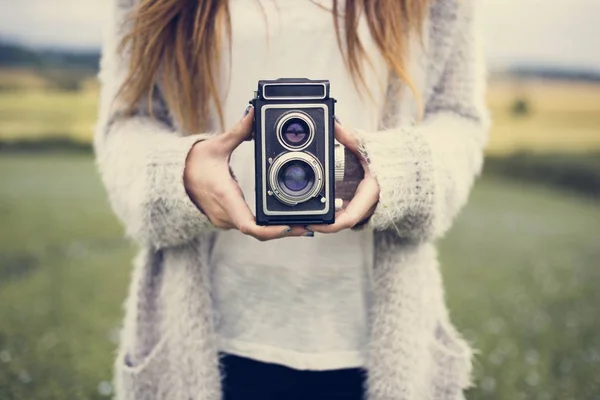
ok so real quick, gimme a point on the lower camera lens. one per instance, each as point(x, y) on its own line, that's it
point(296, 178)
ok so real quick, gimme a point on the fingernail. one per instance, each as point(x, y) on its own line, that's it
point(308, 228)
point(309, 234)
point(247, 110)
point(287, 230)
point(337, 119)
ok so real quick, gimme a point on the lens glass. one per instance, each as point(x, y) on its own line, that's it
point(296, 178)
point(295, 132)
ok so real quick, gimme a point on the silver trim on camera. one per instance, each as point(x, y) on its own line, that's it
point(264, 92)
point(340, 160)
point(279, 191)
point(297, 115)
point(264, 158)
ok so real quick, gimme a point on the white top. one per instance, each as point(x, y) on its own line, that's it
point(300, 302)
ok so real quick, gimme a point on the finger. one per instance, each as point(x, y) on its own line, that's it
point(363, 223)
point(250, 138)
point(232, 200)
point(242, 217)
point(352, 143)
point(358, 209)
point(367, 196)
point(215, 213)
point(241, 132)
point(346, 138)
point(264, 233)
point(220, 218)
point(343, 221)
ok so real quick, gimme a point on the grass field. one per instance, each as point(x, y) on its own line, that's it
point(35, 114)
point(562, 117)
point(63, 275)
point(521, 264)
point(521, 267)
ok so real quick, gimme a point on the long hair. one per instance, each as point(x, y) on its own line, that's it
point(177, 44)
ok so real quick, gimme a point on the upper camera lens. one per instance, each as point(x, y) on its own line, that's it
point(295, 130)
point(296, 178)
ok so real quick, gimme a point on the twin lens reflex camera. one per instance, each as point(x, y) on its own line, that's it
point(297, 160)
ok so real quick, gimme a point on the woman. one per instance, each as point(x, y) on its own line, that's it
point(356, 311)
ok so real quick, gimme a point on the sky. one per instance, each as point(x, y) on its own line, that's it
point(562, 33)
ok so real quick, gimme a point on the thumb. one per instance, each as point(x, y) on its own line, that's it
point(241, 132)
point(346, 138)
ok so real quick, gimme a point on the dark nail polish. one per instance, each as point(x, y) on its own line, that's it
point(307, 228)
point(286, 230)
point(247, 110)
point(309, 234)
point(337, 119)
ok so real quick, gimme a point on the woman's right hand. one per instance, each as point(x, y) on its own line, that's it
point(213, 189)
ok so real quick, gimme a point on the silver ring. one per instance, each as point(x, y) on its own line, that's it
point(282, 160)
point(291, 115)
point(339, 161)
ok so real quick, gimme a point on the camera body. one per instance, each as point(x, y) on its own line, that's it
point(294, 152)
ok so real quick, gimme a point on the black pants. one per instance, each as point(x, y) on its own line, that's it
point(248, 379)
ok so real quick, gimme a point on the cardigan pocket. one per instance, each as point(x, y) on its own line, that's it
point(451, 363)
point(149, 379)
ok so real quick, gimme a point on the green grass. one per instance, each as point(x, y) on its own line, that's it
point(521, 268)
point(63, 275)
point(576, 172)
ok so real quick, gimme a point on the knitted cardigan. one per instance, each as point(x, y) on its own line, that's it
point(425, 172)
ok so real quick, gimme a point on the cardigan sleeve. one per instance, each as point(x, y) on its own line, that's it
point(141, 158)
point(425, 172)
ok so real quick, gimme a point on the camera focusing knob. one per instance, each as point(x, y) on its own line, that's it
point(340, 161)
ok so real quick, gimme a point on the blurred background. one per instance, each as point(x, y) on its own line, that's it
point(522, 263)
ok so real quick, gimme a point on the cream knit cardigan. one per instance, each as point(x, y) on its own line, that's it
point(425, 172)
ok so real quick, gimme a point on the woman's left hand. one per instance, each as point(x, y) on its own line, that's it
point(363, 204)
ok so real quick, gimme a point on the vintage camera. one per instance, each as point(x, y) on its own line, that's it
point(297, 159)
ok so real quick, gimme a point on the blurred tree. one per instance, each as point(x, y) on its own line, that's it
point(520, 107)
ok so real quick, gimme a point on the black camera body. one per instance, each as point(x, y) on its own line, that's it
point(294, 152)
